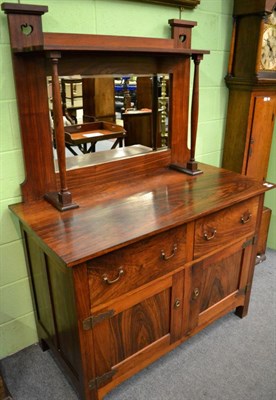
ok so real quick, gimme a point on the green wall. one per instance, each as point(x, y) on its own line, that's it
point(118, 17)
point(270, 197)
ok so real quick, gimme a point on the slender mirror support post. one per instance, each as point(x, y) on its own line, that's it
point(192, 166)
point(62, 200)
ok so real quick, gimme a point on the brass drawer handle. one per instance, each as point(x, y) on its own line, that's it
point(213, 234)
point(245, 217)
point(110, 282)
point(195, 293)
point(166, 258)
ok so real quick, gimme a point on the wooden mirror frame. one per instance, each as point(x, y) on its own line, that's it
point(37, 54)
point(175, 3)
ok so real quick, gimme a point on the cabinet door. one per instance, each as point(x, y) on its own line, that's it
point(216, 285)
point(136, 329)
point(261, 136)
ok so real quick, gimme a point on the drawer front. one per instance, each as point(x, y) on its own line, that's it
point(225, 226)
point(128, 268)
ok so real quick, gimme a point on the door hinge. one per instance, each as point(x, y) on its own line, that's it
point(93, 320)
point(101, 380)
point(249, 242)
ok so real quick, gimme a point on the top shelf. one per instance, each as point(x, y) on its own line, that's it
point(118, 44)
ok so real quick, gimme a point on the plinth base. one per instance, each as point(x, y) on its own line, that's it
point(55, 198)
point(184, 169)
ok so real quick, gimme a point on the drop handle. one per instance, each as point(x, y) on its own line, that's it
point(245, 217)
point(110, 281)
point(210, 235)
point(166, 258)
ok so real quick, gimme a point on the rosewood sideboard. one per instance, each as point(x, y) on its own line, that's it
point(128, 256)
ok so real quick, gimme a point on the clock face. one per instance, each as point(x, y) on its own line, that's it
point(272, 18)
point(268, 55)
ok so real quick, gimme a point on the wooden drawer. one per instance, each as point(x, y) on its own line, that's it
point(225, 226)
point(128, 268)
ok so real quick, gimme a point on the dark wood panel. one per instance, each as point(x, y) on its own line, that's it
point(54, 300)
point(41, 294)
point(248, 32)
point(121, 171)
point(212, 280)
point(63, 300)
point(220, 279)
point(235, 142)
point(99, 98)
point(81, 291)
point(30, 82)
point(139, 128)
point(245, 7)
point(141, 325)
point(262, 239)
point(262, 125)
point(131, 331)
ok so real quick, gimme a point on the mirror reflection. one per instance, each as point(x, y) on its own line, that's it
point(101, 114)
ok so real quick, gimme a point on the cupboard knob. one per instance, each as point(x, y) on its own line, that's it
point(109, 281)
point(195, 293)
point(166, 258)
point(177, 303)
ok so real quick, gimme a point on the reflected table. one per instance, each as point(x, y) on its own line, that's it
point(85, 136)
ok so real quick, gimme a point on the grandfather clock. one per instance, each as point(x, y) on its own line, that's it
point(251, 80)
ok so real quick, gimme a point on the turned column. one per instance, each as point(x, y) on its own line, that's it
point(192, 164)
point(191, 167)
point(62, 199)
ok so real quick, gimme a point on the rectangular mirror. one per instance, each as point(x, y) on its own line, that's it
point(108, 117)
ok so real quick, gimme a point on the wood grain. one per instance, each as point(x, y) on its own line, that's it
point(112, 215)
point(134, 214)
point(227, 225)
point(141, 262)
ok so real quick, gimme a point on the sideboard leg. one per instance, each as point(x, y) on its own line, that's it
point(241, 311)
point(43, 345)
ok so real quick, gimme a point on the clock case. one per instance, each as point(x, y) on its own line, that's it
point(250, 18)
point(252, 100)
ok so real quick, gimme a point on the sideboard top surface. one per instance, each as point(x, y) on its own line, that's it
point(111, 216)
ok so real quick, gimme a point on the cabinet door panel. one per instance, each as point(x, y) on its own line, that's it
point(141, 325)
point(216, 284)
point(261, 136)
point(131, 330)
point(121, 340)
point(219, 280)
